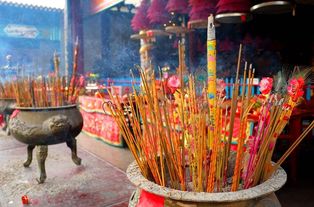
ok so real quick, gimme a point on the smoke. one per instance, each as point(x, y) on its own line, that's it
point(108, 49)
point(31, 35)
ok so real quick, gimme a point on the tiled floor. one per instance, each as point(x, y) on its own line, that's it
point(119, 157)
point(100, 180)
point(94, 183)
point(300, 193)
point(291, 195)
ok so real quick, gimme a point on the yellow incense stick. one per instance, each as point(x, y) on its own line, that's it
point(211, 72)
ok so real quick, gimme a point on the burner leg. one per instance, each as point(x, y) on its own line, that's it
point(72, 145)
point(42, 152)
point(7, 119)
point(30, 149)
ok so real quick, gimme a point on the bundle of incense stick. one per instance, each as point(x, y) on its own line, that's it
point(51, 91)
point(169, 137)
point(45, 91)
point(6, 90)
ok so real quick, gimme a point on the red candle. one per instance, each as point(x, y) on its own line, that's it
point(25, 200)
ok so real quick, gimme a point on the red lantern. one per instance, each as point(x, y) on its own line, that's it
point(178, 6)
point(231, 6)
point(201, 9)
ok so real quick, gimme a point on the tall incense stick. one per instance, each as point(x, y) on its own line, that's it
point(156, 124)
point(75, 61)
point(211, 72)
point(56, 62)
point(211, 93)
point(233, 109)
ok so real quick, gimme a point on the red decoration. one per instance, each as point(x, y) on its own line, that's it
point(99, 123)
point(221, 87)
point(1, 120)
point(243, 18)
point(266, 85)
point(295, 88)
point(15, 113)
point(25, 200)
point(140, 20)
point(178, 6)
point(173, 83)
point(98, 95)
point(150, 200)
point(150, 33)
point(157, 12)
point(201, 9)
point(227, 6)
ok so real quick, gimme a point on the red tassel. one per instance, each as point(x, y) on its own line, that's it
point(201, 9)
point(178, 6)
point(226, 6)
point(157, 12)
point(140, 20)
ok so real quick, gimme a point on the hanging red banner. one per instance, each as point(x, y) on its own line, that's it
point(100, 5)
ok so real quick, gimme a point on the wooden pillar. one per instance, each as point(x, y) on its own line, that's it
point(67, 35)
point(73, 30)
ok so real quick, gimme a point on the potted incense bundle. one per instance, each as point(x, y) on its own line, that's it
point(183, 143)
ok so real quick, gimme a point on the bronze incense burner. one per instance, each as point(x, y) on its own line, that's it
point(40, 127)
point(6, 108)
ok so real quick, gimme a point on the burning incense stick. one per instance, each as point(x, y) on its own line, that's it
point(232, 112)
point(211, 67)
point(7, 90)
point(74, 72)
point(44, 92)
point(168, 134)
point(56, 61)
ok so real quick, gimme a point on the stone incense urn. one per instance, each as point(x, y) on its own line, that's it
point(40, 127)
point(149, 194)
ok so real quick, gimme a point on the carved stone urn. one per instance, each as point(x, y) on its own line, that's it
point(40, 127)
point(149, 194)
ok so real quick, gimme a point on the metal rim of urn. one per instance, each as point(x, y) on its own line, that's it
point(274, 183)
point(45, 108)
